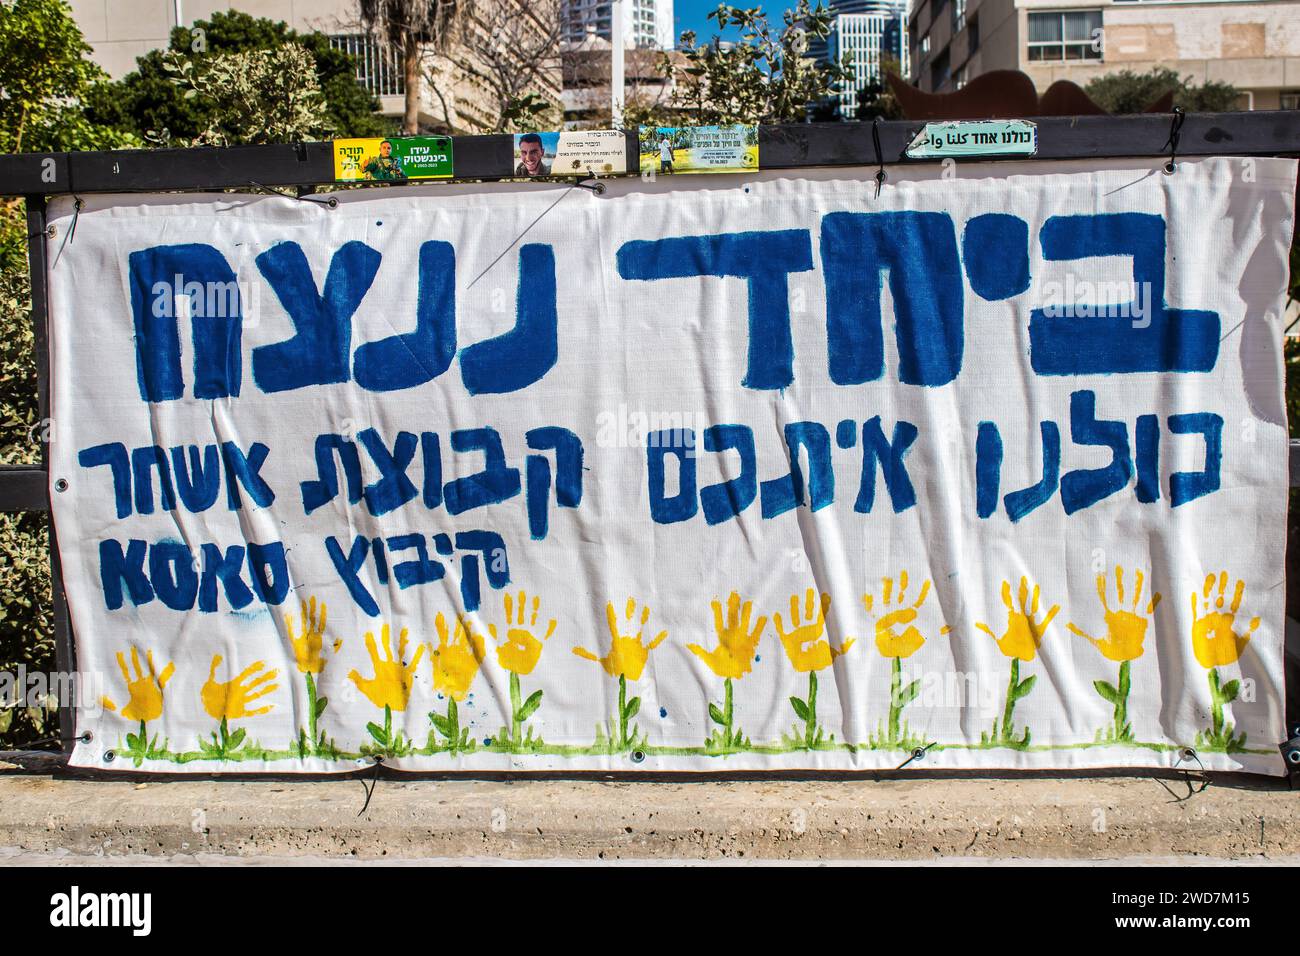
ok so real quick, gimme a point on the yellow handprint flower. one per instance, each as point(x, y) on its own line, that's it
point(145, 704)
point(390, 689)
point(1020, 642)
point(521, 649)
point(1214, 638)
point(456, 661)
point(626, 660)
point(1217, 643)
point(1125, 632)
point(518, 654)
point(308, 649)
point(229, 700)
point(309, 657)
point(737, 643)
point(809, 652)
point(627, 652)
point(732, 659)
point(1023, 635)
point(391, 686)
point(804, 643)
point(145, 690)
point(897, 637)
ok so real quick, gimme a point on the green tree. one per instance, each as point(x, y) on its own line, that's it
point(256, 96)
point(410, 31)
point(46, 82)
point(150, 101)
point(764, 77)
point(1129, 92)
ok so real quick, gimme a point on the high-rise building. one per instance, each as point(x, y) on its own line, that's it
point(1252, 44)
point(646, 23)
point(864, 33)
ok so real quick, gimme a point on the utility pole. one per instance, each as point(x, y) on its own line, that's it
point(616, 62)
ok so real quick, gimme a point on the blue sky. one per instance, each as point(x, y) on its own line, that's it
point(692, 15)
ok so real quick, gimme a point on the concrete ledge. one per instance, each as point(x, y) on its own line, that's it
point(912, 819)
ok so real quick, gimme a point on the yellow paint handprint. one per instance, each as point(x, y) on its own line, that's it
point(521, 649)
point(1125, 629)
point(229, 700)
point(896, 613)
point(1024, 634)
point(309, 646)
point(1125, 632)
point(1214, 636)
point(391, 685)
point(145, 690)
point(627, 652)
point(1217, 642)
point(737, 643)
point(897, 637)
point(804, 643)
point(456, 661)
point(1020, 642)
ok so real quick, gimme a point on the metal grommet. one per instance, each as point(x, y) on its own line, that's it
point(61, 484)
point(1170, 168)
point(87, 737)
point(1295, 730)
point(1187, 753)
point(1293, 756)
point(333, 203)
point(638, 756)
point(51, 231)
point(918, 753)
point(109, 756)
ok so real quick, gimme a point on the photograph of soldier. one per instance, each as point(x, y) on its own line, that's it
point(531, 156)
point(385, 166)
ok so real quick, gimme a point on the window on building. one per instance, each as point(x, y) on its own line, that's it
point(925, 45)
point(1290, 101)
point(381, 75)
point(958, 15)
point(972, 35)
point(1068, 35)
point(939, 71)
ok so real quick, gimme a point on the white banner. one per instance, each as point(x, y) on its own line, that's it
point(744, 473)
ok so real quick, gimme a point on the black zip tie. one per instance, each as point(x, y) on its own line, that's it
point(880, 161)
point(1175, 131)
point(331, 202)
point(595, 185)
point(917, 754)
point(72, 230)
point(374, 782)
point(1187, 753)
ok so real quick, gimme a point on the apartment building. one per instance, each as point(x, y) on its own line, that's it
point(1252, 44)
point(460, 98)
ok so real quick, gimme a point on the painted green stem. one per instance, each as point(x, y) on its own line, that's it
point(515, 703)
point(726, 713)
point(623, 742)
point(1121, 702)
point(1008, 711)
point(311, 710)
point(810, 726)
point(895, 705)
point(1217, 700)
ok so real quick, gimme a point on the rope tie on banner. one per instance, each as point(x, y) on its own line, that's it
point(917, 754)
point(72, 230)
point(1188, 754)
point(1175, 131)
point(595, 185)
point(374, 782)
point(880, 157)
point(330, 202)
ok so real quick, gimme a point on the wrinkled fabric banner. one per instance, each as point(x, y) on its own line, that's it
point(767, 472)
